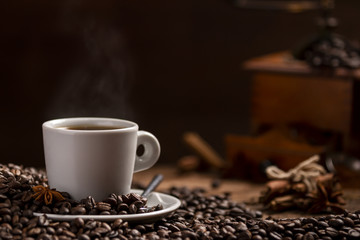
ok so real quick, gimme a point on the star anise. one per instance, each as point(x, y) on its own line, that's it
point(46, 194)
point(327, 196)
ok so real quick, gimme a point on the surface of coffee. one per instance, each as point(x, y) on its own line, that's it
point(90, 127)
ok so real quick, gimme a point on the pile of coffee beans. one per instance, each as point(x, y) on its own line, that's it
point(113, 205)
point(200, 217)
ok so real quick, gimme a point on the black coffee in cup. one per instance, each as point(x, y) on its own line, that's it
point(90, 127)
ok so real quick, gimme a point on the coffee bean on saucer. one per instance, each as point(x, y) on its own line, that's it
point(132, 208)
point(64, 210)
point(89, 203)
point(122, 207)
point(103, 206)
point(78, 210)
point(112, 199)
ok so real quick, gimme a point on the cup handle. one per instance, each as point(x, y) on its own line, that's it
point(151, 151)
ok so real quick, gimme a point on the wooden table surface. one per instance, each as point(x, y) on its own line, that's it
point(241, 191)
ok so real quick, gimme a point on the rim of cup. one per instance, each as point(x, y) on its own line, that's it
point(120, 125)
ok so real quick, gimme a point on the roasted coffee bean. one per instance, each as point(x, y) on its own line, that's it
point(64, 210)
point(244, 235)
point(275, 236)
point(91, 224)
point(123, 207)
point(311, 220)
point(134, 233)
point(42, 221)
point(140, 228)
point(5, 235)
point(50, 230)
point(299, 230)
point(112, 199)
point(78, 222)
point(354, 234)
point(188, 234)
point(139, 203)
point(331, 232)
point(103, 206)
point(323, 224)
point(89, 203)
point(117, 223)
point(78, 210)
point(132, 208)
point(34, 231)
point(5, 205)
point(310, 236)
point(336, 223)
point(152, 236)
point(101, 230)
point(163, 233)
point(84, 237)
point(257, 237)
point(348, 222)
point(104, 213)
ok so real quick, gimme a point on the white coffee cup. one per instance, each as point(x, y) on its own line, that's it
point(95, 156)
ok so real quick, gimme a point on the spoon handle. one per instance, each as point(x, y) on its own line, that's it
point(152, 185)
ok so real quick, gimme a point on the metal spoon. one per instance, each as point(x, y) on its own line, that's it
point(152, 185)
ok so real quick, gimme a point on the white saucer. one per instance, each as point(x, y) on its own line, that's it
point(169, 203)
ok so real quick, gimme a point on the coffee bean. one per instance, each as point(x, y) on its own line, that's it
point(69, 234)
point(133, 209)
point(336, 223)
point(5, 235)
point(43, 221)
point(112, 234)
point(103, 206)
point(275, 236)
point(140, 228)
point(4, 211)
point(64, 210)
point(354, 234)
point(91, 224)
point(310, 236)
point(84, 237)
point(188, 234)
point(50, 230)
point(34, 231)
point(78, 210)
point(244, 235)
point(16, 231)
point(105, 225)
point(152, 236)
point(123, 207)
point(112, 200)
point(310, 220)
point(117, 223)
point(323, 224)
point(298, 236)
point(101, 230)
point(134, 233)
point(257, 237)
point(173, 228)
point(78, 222)
point(331, 232)
point(5, 205)
point(299, 230)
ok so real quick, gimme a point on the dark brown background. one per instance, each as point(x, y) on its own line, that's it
point(171, 66)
